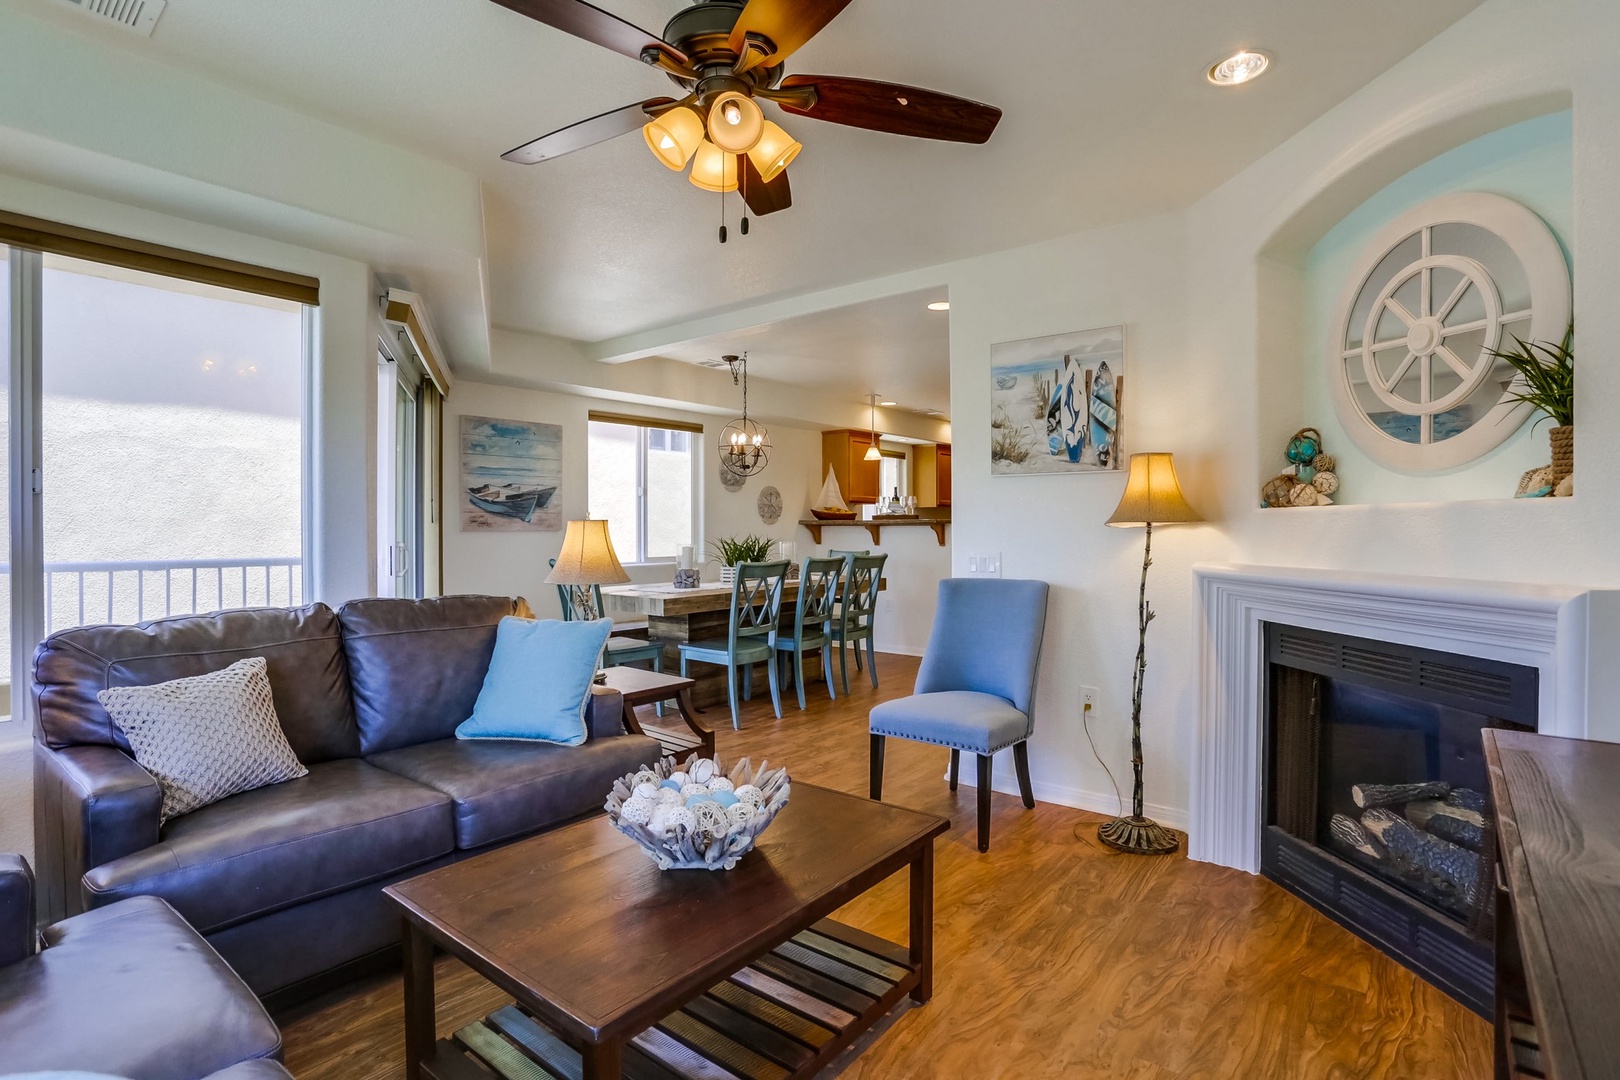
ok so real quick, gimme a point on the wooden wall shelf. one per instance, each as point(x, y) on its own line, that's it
point(876, 527)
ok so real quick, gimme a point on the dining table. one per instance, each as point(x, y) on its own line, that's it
point(700, 614)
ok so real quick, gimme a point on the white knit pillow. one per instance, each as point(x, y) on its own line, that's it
point(205, 737)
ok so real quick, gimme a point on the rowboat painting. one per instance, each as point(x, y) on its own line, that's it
point(511, 471)
point(1057, 403)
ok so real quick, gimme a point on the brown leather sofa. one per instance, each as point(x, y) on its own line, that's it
point(285, 882)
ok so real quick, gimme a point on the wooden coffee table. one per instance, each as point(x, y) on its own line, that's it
point(618, 969)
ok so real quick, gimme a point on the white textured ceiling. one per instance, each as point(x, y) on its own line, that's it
point(1107, 118)
point(894, 347)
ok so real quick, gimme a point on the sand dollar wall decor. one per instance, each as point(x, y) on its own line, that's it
point(1414, 381)
point(730, 480)
point(770, 505)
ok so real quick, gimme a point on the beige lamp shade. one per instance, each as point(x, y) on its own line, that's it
point(675, 136)
point(713, 169)
point(587, 556)
point(1152, 494)
point(774, 152)
point(735, 122)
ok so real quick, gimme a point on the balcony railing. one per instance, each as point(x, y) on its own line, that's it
point(82, 593)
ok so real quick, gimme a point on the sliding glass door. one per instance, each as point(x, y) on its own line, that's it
point(155, 451)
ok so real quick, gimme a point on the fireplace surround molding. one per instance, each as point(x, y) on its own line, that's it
point(1570, 635)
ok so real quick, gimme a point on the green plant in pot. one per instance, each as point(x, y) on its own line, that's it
point(730, 551)
point(1546, 380)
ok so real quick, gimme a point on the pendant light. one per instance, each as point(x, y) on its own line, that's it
point(735, 122)
point(745, 445)
point(675, 136)
point(872, 452)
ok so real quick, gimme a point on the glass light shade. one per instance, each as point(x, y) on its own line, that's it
point(1152, 494)
point(873, 453)
point(713, 169)
point(735, 122)
point(674, 137)
point(774, 152)
point(587, 556)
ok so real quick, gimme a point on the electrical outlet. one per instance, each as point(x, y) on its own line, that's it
point(1088, 699)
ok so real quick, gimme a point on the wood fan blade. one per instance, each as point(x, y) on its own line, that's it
point(600, 128)
point(890, 107)
point(590, 22)
point(785, 24)
point(762, 198)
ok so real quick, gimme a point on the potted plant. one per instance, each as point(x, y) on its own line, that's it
point(1546, 380)
point(730, 551)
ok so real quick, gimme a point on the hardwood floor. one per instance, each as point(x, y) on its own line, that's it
point(1055, 957)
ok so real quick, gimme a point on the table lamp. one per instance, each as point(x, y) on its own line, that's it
point(586, 559)
point(1152, 497)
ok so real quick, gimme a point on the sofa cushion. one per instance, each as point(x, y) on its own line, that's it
point(506, 789)
point(302, 649)
point(416, 666)
point(205, 737)
point(539, 681)
point(345, 824)
point(129, 990)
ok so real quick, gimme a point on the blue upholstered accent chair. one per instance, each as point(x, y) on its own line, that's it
point(976, 687)
point(819, 580)
point(756, 606)
point(857, 614)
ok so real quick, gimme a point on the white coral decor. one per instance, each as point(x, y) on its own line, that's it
point(680, 838)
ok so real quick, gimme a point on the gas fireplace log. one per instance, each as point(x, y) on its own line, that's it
point(1467, 799)
point(1371, 796)
point(1448, 822)
point(1452, 869)
point(1348, 831)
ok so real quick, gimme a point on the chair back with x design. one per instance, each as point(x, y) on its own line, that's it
point(861, 591)
point(818, 593)
point(756, 601)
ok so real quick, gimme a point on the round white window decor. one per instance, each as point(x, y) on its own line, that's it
point(1414, 382)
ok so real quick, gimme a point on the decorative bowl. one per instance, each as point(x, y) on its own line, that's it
point(832, 515)
point(709, 819)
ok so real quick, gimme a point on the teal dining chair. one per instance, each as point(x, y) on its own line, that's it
point(863, 575)
point(619, 649)
point(756, 606)
point(818, 591)
point(976, 687)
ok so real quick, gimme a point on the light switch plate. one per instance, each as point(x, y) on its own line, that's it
point(984, 564)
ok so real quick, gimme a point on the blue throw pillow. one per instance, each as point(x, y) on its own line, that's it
point(539, 681)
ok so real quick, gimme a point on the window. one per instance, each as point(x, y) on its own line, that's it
point(892, 475)
point(642, 480)
point(156, 462)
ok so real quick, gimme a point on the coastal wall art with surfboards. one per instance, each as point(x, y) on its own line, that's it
point(511, 471)
point(1057, 403)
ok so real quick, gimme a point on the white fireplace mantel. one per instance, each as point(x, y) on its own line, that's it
point(1571, 635)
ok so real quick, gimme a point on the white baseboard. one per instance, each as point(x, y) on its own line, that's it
point(898, 650)
point(1006, 782)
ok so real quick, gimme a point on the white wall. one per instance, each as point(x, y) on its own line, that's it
point(515, 563)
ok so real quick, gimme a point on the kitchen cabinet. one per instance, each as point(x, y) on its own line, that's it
point(931, 474)
point(845, 453)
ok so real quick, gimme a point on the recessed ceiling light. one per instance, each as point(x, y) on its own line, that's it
point(940, 305)
point(887, 404)
point(1243, 66)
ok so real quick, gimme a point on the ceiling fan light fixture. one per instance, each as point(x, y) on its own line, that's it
point(675, 136)
point(713, 169)
point(774, 152)
point(735, 122)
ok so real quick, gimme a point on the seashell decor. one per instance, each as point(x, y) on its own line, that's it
point(700, 818)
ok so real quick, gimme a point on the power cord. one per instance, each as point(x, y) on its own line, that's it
point(1085, 722)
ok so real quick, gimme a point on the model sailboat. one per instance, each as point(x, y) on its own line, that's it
point(830, 504)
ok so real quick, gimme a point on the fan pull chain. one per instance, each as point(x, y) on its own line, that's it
point(722, 217)
point(742, 178)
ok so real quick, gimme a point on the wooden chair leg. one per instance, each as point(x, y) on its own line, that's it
point(775, 685)
point(843, 666)
point(798, 676)
point(871, 660)
point(1021, 762)
point(731, 691)
point(877, 767)
point(748, 682)
point(985, 761)
point(658, 666)
point(856, 645)
point(826, 672)
point(956, 766)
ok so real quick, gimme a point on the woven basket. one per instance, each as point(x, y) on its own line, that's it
point(1563, 451)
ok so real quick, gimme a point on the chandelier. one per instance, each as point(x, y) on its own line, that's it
point(745, 445)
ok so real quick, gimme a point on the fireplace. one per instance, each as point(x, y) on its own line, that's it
point(1375, 794)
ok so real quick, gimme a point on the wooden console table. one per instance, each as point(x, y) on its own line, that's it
point(1558, 905)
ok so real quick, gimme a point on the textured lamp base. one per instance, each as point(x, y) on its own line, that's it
point(1137, 836)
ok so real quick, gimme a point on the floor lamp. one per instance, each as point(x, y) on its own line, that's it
point(586, 559)
point(1152, 497)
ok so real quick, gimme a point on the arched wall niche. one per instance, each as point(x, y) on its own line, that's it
point(1521, 149)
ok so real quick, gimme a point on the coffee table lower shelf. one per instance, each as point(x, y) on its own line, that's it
point(782, 1017)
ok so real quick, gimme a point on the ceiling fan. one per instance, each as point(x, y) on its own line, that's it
point(726, 54)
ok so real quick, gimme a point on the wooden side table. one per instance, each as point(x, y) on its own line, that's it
point(642, 687)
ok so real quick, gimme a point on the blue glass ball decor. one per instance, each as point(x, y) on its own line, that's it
point(671, 784)
point(694, 800)
point(724, 798)
point(1303, 448)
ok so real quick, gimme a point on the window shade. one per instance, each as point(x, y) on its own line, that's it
point(644, 421)
point(37, 234)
